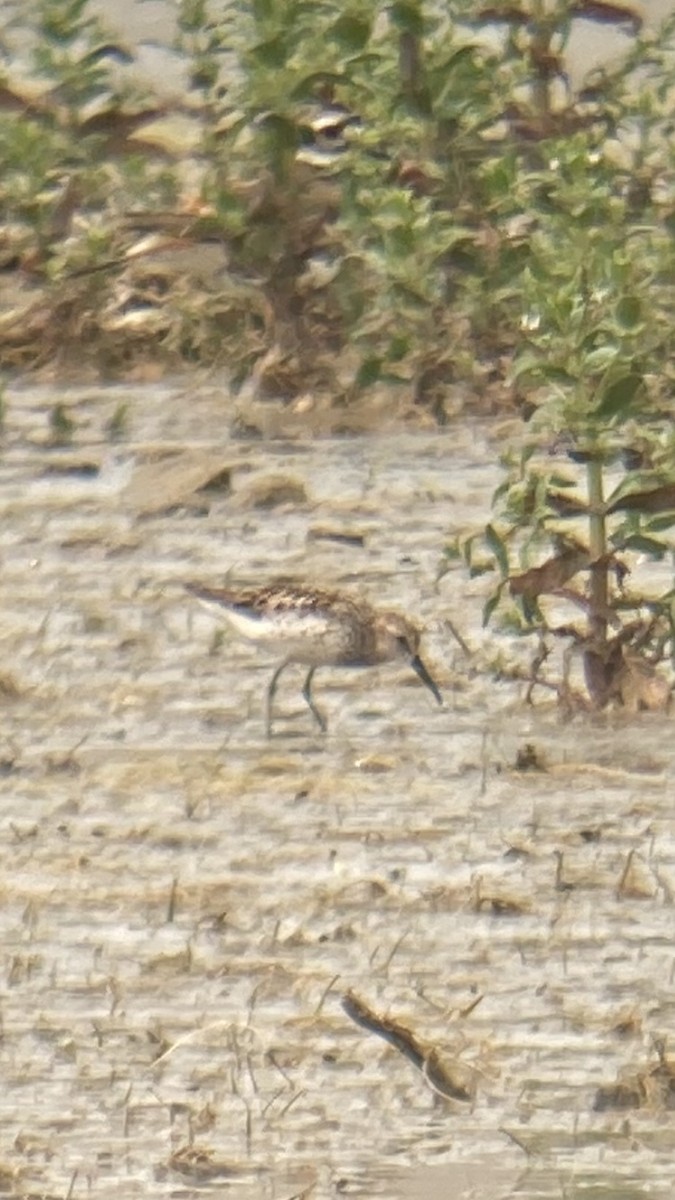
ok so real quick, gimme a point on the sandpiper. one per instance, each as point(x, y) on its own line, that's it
point(316, 628)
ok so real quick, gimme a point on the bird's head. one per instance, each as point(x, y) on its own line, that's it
point(398, 638)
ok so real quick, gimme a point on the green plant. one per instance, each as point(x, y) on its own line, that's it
point(117, 427)
point(400, 258)
point(62, 427)
point(408, 257)
point(594, 485)
point(60, 158)
point(362, 255)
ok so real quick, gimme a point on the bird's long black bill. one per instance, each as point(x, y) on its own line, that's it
point(420, 669)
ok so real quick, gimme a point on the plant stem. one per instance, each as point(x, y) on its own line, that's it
point(599, 589)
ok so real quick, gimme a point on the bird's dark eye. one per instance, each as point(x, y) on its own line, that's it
point(403, 642)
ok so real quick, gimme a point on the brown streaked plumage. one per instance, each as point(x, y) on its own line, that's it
point(316, 628)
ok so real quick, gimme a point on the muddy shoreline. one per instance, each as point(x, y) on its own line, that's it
point(185, 904)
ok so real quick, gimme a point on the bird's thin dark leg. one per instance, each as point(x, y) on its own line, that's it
point(307, 693)
point(271, 691)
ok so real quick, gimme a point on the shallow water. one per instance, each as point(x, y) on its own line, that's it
point(185, 903)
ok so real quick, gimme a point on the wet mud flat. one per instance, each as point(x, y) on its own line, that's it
point(186, 904)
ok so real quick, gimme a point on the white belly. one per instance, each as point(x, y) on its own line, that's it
point(305, 637)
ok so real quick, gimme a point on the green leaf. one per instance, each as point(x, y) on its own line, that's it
point(452, 552)
point(443, 567)
point(456, 56)
point(531, 610)
point(629, 311)
point(408, 16)
point(618, 396)
point(533, 364)
point(398, 347)
point(528, 362)
point(272, 53)
point(467, 550)
point(369, 372)
point(399, 242)
point(662, 523)
point(601, 358)
point(635, 481)
point(500, 491)
point(263, 10)
point(313, 84)
point(284, 133)
point(455, 236)
point(641, 544)
point(350, 32)
point(496, 545)
point(491, 604)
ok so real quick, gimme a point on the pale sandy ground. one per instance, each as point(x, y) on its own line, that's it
point(184, 903)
